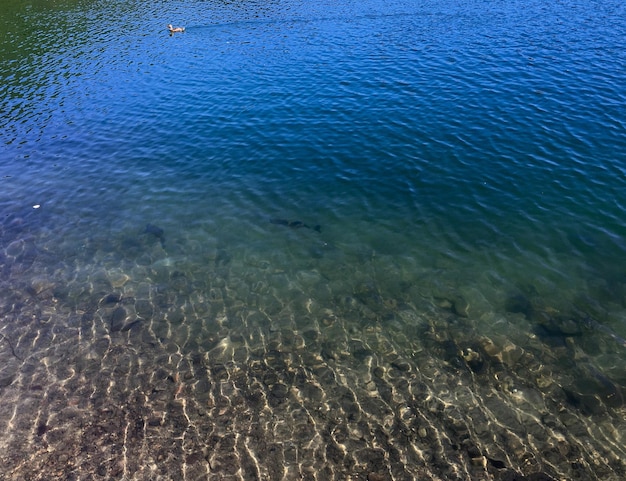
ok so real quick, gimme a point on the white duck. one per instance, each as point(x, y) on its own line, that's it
point(175, 29)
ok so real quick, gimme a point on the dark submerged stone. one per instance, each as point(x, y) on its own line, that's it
point(519, 303)
point(156, 232)
point(117, 319)
point(295, 224)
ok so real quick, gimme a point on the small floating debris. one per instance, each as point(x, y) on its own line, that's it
point(36, 206)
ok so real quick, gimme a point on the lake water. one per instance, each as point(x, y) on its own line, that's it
point(333, 240)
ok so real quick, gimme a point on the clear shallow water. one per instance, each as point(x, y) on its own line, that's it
point(465, 161)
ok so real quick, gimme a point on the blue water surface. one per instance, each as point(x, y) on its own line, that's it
point(484, 140)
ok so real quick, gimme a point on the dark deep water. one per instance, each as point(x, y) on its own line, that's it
point(313, 240)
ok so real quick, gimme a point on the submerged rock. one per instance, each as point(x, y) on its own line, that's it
point(473, 359)
point(519, 303)
point(454, 302)
point(39, 285)
point(156, 232)
point(117, 319)
point(295, 224)
point(460, 306)
point(112, 298)
point(120, 320)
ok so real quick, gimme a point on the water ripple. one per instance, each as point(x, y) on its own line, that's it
point(452, 152)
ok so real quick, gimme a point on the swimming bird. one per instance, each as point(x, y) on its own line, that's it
point(175, 29)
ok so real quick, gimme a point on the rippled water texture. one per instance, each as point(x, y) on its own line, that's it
point(364, 240)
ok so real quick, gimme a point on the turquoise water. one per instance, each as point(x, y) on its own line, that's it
point(460, 313)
